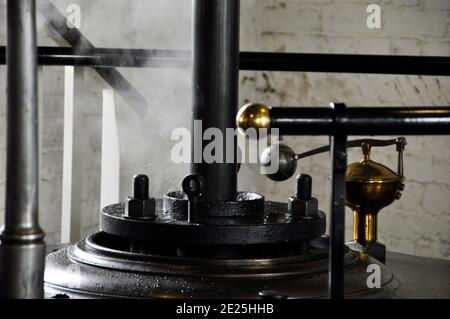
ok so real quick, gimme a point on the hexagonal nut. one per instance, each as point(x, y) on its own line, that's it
point(139, 209)
point(377, 250)
point(303, 208)
point(294, 205)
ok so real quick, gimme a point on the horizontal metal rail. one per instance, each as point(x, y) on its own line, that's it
point(362, 120)
point(256, 61)
point(345, 63)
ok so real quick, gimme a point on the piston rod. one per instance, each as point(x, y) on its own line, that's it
point(22, 248)
point(215, 91)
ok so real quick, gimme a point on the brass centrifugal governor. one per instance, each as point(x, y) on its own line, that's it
point(370, 186)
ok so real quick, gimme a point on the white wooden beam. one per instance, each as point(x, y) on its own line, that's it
point(40, 70)
point(71, 186)
point(110, 175)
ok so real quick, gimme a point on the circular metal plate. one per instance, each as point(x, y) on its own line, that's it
point(275, 227)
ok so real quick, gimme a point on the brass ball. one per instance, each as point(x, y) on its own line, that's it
point(254, 115)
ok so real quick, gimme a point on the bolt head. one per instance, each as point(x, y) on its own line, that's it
point(139, 209)
point(303, 208)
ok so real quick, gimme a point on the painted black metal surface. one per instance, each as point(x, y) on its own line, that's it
point(338, 147)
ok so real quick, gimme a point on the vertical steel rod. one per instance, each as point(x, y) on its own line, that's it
point(22, 247)
point(337, 230)
point(215, 89)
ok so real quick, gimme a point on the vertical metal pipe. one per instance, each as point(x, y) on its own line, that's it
point(22, 249)
point(215, 89)
point(337, 229)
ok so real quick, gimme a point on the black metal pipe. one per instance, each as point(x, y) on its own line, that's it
point(345, 63)
point(251, 61)
point(362, 120)
point(337, 217)
point(338, 146)
point(22, 247)
point(215, 90)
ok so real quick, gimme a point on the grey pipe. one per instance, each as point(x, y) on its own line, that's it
point(22, 249)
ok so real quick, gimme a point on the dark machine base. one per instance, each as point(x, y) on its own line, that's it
point(415, 277)
point(90, 270)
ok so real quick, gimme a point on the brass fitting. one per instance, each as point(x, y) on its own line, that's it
point(370, 187)
point(255, 115)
